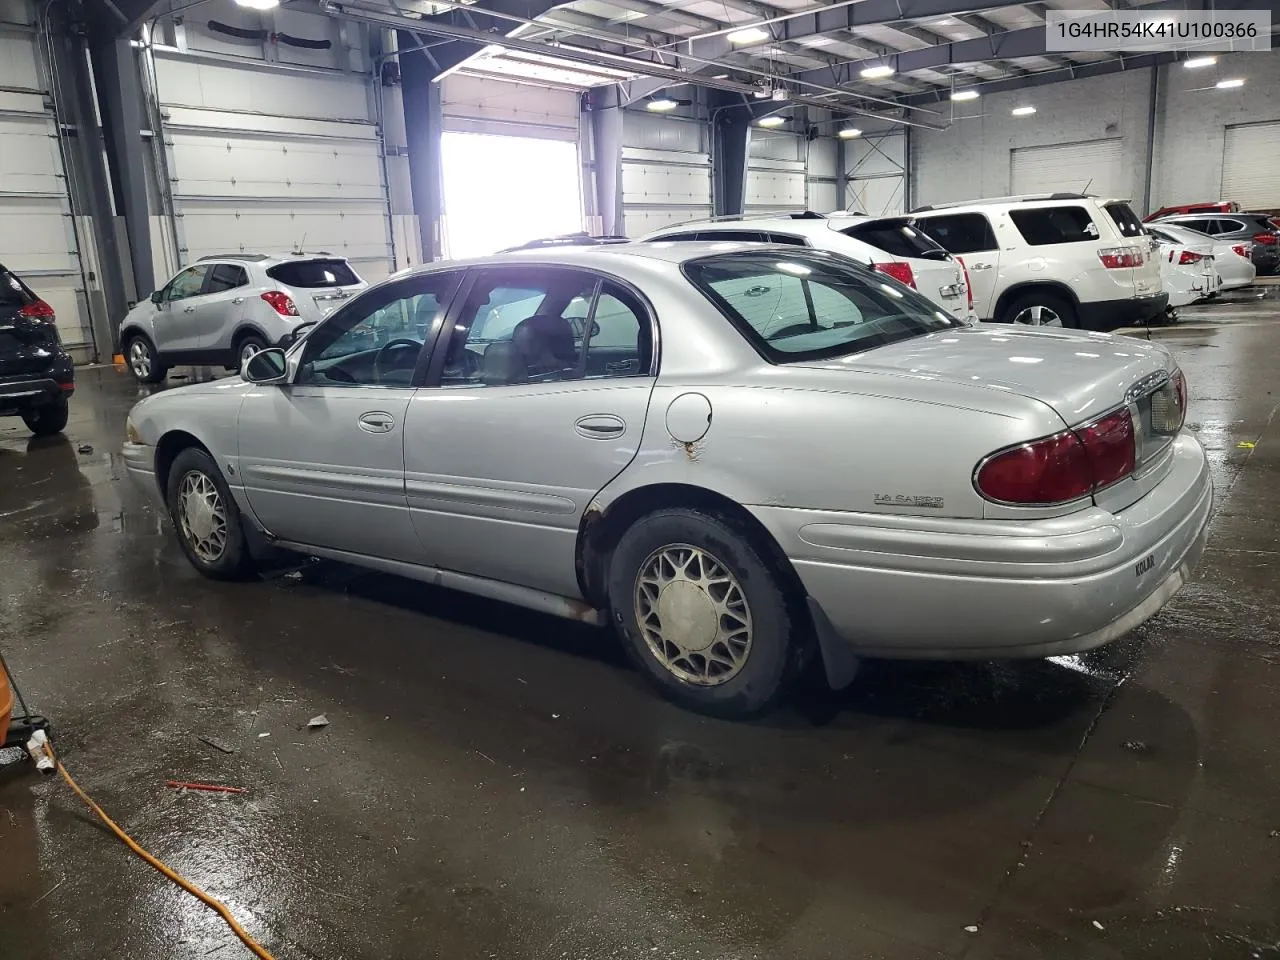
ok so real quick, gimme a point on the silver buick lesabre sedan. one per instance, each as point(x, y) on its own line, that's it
point(742, 455)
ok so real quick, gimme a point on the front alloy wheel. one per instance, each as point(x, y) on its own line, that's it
point(1038, 316)
point(693, 615)
point(202, 516)
point(140, 359)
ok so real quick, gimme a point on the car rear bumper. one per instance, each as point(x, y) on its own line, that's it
point(1127, 312)
point(21, 392)
point(937, 588)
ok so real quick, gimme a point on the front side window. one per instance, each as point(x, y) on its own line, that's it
point(523, 326)
point(186, 284)
point(809, 306)
point(960, 232)
point(226, 276)
point(376, 339)
point(1043, 226)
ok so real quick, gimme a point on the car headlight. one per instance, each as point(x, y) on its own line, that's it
point(131, 432)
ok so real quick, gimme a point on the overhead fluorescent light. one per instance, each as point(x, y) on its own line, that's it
point(721, 76)
point(749, 35)
point(662, 104)
point(848, 133)
point(878, 71)
point(945, 22)
point(1023, 111)
point(1195, 63)
point(960, 95)
point(773, 121)
point(258, 4)
point(1230, 84)
point(492, 50)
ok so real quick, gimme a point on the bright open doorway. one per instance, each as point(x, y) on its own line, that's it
point(500, 192)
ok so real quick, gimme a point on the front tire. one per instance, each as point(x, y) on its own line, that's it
point(48, 418)
point(140, 354)
point(1041, 309)
point(205, 515)
point(702, 613)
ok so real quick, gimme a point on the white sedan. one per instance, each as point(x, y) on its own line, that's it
point(1231, 260)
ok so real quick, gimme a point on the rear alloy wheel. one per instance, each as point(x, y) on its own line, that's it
point(702, 613)
point(1041, 310)
point(141, 356)
point(246, 349)
point(48, 418)
point(206, 517)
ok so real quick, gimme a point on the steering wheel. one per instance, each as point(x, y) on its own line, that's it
point(386, 348)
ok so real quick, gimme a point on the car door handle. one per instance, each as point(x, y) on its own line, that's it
point(188, 309)
point(600, 426)
point(376, 422)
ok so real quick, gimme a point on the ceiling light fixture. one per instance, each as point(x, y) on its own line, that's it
point(1195, 63)
point(961, 95)
point(848, 133)
point(749, 35)
point(662, 104)
point(1023, 111)
point(878, 71)
point(772, 121)
point(1230, 84)
point(258, 4)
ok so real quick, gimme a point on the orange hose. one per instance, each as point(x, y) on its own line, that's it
point(216, 905)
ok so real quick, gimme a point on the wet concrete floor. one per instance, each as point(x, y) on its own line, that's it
point(499, 784)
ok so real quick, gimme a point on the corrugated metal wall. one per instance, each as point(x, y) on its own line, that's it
point(821, 173)
point(775, 173)
point(39, 240)
point(275, 150)
point(875, 165)
point(666, 171)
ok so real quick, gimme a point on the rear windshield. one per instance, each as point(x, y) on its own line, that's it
point(1125, 219)
point(12, 291)
point(897, 237)
point(314, 273)
point(1042, 226)
point(810, 306)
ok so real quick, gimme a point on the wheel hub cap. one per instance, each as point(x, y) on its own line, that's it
point(1038, 317)
point(202, 516)
point(140, 358)
point(693, 615)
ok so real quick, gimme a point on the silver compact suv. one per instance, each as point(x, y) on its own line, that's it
point(222, 310)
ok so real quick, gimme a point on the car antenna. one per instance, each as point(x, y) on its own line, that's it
point(1085, 191)
point(301, 244)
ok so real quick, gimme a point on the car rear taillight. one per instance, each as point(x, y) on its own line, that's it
point(1240, 250)
point(1189, 257)
point(1063, 467)
point(1266, 239)
point(37, 310)
point(968, 287)
point(1118, 258)
point(281, 303)
point(899, 271)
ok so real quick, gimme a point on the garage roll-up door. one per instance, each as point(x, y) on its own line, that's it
point(1092, 166)
point(502, 108)
point(1251, 165)
point(38, 241)
point(268, 157)
point(775, 174)
point(666, 172)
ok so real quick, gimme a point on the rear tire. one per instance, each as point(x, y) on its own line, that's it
point(1040, 309)
point(48, 418)
point(144, 364)
point(246, 347)
point(702, 613)
point(206, 517)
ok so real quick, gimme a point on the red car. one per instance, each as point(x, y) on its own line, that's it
point(1218, 206)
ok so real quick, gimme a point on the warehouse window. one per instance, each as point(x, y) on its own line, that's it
point(1043, 226)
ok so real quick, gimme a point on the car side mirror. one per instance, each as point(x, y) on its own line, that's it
point(266, 367)
point(156, 296)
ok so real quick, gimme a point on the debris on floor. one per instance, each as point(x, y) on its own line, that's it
point(208, 787)
point(316, 722)
point(216, 744)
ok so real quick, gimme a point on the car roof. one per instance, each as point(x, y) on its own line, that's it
point(271, 257)
point(1007, 201)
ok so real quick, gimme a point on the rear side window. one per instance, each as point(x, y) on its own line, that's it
point(960, 232)
point(786, 238)
point(12, 292)
point(1230, 226)
point(897, 237)
point(226, 276)
point(1125, 219)
point(1043, 226)
point(674, 238)
point(740, 236)
point(313, 273)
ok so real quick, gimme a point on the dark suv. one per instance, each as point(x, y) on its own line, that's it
point(36, 375)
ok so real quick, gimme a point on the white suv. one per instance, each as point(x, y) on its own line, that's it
point(888, 245)
point(222, 310)
point(1060, 259)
